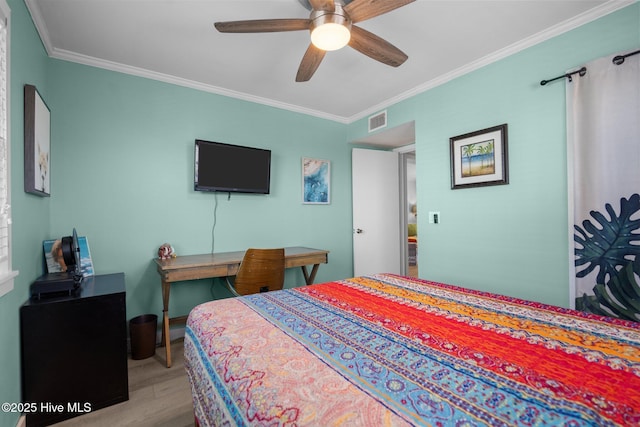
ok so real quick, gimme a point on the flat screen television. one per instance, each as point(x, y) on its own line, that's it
point(231, 168)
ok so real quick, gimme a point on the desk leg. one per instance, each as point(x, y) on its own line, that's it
point(309, 278)
point(166, 338)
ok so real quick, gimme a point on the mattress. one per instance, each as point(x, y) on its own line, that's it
point(388, 350)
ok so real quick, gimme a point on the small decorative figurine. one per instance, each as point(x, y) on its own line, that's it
point(166, 251)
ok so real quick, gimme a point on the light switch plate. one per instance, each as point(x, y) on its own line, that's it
point(434, 217)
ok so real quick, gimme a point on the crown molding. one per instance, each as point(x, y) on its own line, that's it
point(561, 28)
point(41, 27)
point(575, 22)
point(166, 78)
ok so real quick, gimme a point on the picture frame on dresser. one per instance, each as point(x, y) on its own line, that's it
point(37, 143)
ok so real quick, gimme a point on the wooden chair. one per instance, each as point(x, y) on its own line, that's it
point(261, 270)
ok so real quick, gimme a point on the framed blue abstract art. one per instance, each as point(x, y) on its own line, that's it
point(316, 181)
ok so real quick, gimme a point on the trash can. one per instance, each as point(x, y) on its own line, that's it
point(142, 332)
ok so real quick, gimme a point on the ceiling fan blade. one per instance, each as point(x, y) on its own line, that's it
point(325, 5)
point(375, 47)
point(360, 10)
point(263, 25)
point(310, 62)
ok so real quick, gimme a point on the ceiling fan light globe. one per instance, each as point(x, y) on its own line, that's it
point(330, 36)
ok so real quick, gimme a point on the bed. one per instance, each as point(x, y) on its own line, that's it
point(388, 350)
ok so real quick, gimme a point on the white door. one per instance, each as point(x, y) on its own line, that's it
point(376, 212)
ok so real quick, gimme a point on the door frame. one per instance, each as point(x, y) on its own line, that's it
point(401, 139)
point(404, 212)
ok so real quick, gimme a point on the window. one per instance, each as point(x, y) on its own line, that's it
point(6, 274)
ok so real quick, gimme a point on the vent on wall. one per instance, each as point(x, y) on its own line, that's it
point(378, 121)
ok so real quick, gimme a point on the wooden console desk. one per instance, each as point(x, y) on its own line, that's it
point(192, 267)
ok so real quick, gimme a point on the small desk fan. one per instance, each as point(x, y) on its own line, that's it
point(71, 255)
point(61, 283)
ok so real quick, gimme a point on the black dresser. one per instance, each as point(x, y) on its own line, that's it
point(74, 351)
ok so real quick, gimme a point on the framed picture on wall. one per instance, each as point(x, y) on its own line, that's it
point(479, 158)
point(37, 144)
point(316, 181)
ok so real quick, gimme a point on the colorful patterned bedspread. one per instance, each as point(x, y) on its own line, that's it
point(387, 350)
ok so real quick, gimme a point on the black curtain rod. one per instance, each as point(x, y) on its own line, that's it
point(620, 58)
point(582, 71)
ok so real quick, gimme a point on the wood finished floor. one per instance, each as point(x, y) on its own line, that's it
point(158, 396)
point(412, 271)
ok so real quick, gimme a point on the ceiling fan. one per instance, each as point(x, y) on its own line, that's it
point(331, 26)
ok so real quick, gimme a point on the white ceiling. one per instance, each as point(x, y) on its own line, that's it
point(175, 41)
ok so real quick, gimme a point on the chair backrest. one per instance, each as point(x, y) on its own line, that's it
point(261, 270)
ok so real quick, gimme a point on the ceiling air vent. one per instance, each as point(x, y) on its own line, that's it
point(378, 121)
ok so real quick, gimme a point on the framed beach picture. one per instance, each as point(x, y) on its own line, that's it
point(479, 158)
point(316, 181)
point(37, 158)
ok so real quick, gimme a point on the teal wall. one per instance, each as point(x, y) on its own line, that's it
point(510, 239)
point(122, 156)
point(123, 176)
point(31, 215)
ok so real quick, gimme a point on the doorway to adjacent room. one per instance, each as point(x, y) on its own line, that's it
point(401, 140)
point(409, 198)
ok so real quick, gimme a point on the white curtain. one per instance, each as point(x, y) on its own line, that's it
point(603, 126)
